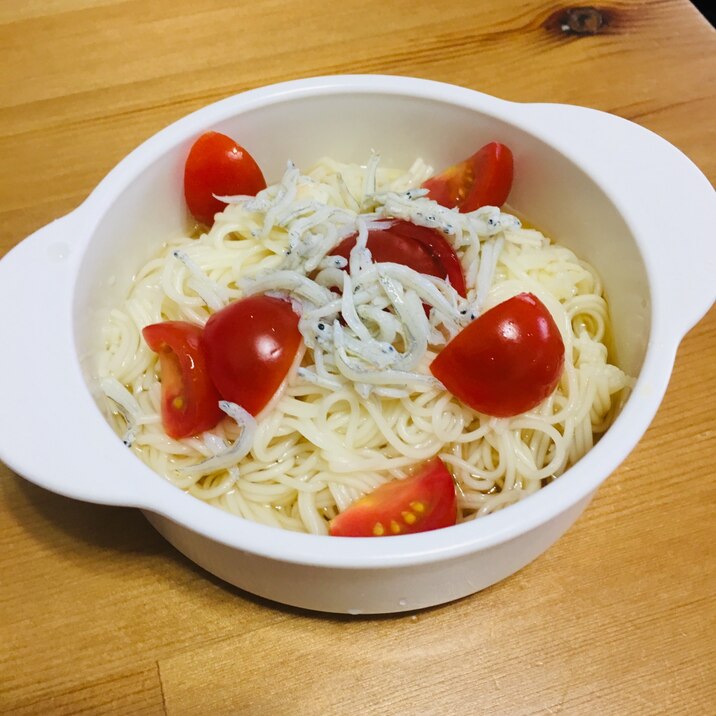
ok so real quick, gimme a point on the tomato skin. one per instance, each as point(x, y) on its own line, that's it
point(218, 165)
point(507, 361)
point(423, 249)
point(424, 501)
point(484, 179)
point(439, 248)
point(250, 345)
point(190, 402)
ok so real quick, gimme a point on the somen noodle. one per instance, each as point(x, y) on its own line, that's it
point(357, 413)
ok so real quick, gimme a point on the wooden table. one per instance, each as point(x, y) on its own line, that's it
point(99, 615)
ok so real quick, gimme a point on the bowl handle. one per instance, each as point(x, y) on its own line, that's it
point(38, 437)
point(661, 192)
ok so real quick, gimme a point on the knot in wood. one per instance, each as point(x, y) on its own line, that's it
point(582, 21)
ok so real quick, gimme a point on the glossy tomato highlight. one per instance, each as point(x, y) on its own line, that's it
point(507, 361)
point(218, 165)
point(250, 346)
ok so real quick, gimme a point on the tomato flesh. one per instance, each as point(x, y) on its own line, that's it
point(484, 179)
point(190, 402)
point(420, 248)
point(507, 361)
point(218, 165)
point(250, 346)
point(419, 503)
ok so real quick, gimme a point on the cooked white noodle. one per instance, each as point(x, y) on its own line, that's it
point(359, 412)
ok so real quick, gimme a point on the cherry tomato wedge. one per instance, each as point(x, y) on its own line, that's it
point(419, 503)
point(250, 346)
point(484, 179)
point(190, 402)
point(423, 249)
point(507, 361)
point(218, 165)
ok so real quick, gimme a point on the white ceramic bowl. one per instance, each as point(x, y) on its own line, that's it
point(620, 196)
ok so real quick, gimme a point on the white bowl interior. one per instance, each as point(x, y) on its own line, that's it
point(550, 190)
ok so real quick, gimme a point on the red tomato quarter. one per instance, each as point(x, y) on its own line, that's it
point(218, 165)
point(506, 361)
point(250, 345)
point(425, 501)
point(484, 179)
point(190, 403)
point(422, 249)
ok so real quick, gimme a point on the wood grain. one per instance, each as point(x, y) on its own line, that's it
point(99, 615)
